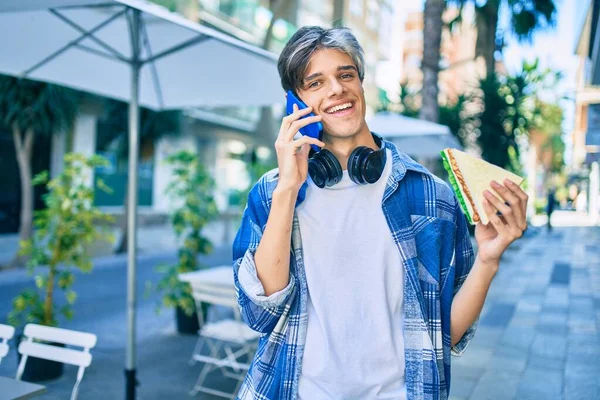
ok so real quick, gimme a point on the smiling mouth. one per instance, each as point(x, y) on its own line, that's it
point(340, 108)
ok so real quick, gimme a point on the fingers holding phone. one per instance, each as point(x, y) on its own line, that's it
point(291, 159)
point(297, 120)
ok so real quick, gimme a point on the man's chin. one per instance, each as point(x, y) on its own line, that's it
point(343, 133)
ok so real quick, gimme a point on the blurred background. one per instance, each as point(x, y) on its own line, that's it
point(512, 81)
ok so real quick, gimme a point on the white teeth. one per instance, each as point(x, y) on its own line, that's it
point(338, 108)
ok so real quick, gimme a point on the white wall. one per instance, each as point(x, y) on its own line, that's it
point(84, 138)
point(58, 148)
point(162, 172)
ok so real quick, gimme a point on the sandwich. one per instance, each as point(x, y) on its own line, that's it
point(469, 177)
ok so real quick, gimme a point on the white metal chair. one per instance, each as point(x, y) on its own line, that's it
point(31, 346)
point(6, 333)
point(227, 339)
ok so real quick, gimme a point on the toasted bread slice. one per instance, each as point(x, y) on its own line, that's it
point(470, 177)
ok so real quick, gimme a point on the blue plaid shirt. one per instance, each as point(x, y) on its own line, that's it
point(432, 238)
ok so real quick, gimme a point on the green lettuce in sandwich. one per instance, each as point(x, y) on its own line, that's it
point(470, 177)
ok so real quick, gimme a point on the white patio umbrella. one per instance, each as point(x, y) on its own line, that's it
point(413, 136)
point(139, 52)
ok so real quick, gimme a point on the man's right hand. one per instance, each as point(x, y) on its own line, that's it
point(292, 155)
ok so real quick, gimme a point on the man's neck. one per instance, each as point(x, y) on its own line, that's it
point(343, 147)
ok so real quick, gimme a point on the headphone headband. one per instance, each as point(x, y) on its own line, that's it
point(365, 165)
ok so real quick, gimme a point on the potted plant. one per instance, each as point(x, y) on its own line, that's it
point(191, 192)
point(63, 231)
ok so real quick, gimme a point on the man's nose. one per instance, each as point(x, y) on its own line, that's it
point(336, 88)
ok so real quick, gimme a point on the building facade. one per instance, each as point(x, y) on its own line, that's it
point(226, 138)
point(585, 158)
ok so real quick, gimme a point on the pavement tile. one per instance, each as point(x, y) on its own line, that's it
point(475, 357)
point(553, 329)
point(498, 315)
point(557, 295)
point(524, 321)
point(509, 351)
point(462, 387)
point(549, 346)
point(496, 385)
point(550, 364)
point(583, 339)
point(585, 354)
point(540, 383)
point(553, 317)
point(525, 305)
point(582, 325)
point(577, 388)
point(578, 367)
point(561, 273)
point(582, 303)
point(487, 337)
point(518, 337)
point(509, 363)
point(462, 370)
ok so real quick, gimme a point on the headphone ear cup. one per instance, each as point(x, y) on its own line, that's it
point(355, 164)
point(317, 172)
point(324, 169)
point(373, 166)
point(334, 169)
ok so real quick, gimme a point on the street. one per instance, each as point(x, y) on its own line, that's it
point(538, 332)
point(100, 308)
point(537, 336)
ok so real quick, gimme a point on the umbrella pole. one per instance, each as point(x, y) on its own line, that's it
point(130, 363)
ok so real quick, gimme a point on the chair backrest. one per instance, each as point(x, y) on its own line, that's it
point(6, 333)
point(34, 333)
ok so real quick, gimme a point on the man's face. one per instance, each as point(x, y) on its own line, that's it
point(333, 89)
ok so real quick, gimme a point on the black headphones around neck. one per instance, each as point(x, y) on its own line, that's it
point(365, 165)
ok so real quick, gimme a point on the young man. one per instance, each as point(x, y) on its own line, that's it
point(360, 275)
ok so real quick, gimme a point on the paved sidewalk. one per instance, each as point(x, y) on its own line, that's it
point(152, 239)
point(537, 338)
point(538, 335)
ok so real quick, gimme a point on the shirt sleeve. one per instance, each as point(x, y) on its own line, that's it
point(259, 311)
point(464, 259)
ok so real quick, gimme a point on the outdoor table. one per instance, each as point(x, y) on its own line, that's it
point(221, 276)
point(12, 389)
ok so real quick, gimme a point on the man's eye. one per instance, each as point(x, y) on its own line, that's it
point(313, 84)
point(347, 76)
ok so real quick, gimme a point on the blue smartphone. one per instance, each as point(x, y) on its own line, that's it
point(313, 130)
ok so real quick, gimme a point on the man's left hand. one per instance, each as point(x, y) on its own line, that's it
point(495, 237)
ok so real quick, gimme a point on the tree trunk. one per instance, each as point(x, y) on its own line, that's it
point(487, 26)
point(24, 148)
point(338, 13)
point(48, 301)
point(432, 37)
point(277, 9)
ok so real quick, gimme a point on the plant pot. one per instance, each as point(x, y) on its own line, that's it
point(188, 324)
point(39, 369)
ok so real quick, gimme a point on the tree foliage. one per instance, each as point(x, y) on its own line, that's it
point(42, 107)
point(191, 191)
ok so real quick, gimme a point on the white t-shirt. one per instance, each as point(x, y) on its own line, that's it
point(354, 340)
